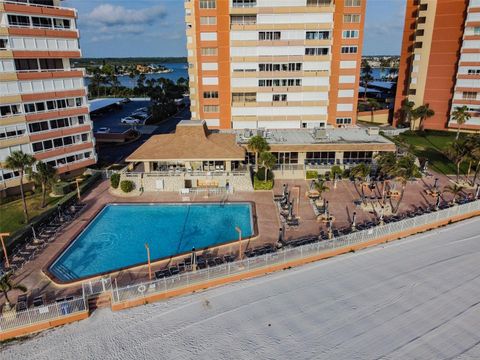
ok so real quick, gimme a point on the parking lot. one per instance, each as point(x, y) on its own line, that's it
point(111, 119)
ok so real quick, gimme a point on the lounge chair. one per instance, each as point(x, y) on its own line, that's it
point(38, 301)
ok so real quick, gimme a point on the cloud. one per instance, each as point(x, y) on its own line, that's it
point(115, 15)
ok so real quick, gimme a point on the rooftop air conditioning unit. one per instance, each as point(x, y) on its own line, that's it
point(320, 134)
point(373, 131)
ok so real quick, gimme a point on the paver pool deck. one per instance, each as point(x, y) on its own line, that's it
point(268, 222)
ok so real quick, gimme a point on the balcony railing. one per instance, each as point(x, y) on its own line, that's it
point(33, 3)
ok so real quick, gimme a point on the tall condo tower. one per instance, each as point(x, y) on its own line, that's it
point(274, 63)
point(44, 109)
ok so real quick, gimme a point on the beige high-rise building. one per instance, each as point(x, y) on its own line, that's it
point(44, 109)
point(274, 63)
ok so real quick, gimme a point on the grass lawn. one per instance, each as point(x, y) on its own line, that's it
point(11, 214)
point(262, 185)
point(432, 146)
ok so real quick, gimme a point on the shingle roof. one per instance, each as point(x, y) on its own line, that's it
point(191, 141)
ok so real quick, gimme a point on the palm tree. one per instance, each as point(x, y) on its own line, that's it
point(366, 79)
point(407, 111)
point(361, 171)
point(257, 144)
point(44, 176)
point(423, 112)
point(21, 162)
point(404, 170)
point(321, 187)
point(472, 144)
point(386, 163)
point(461, 116)
point(6, 285)
point(457, 152)
point(455, 190)
point(268, 161)
point(373, 104)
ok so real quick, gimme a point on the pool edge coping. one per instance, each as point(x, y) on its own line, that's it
point(63, 284)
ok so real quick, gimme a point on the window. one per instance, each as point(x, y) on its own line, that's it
point(210, 108)
point(210, 94)
point(208, 20)
point(316, 51)
point(26, 64)
point(3, 44)
point(354, 157)
point(209, 51)
point(355, 3)
point(280, 67)
point(320, 157)
point(279, 97)
point(286, 157)
point(344, 121)
point(41, 22)
point(350, 34)
point(12, 131)
point(243, 19)
point(38, 126)
point(52, 105)
point(351, 18)
point(279, 82)
point(319, 2)
point(473, 71)
point(9, 110)
point(61, 23)
point(469, 95)
point(476, 30)
point(18, 20)
point(244, 3)
point(317, 35)
point(208, 4)
point(269, 35)
point(51, 64)
point(244, 97)
point(349, 49)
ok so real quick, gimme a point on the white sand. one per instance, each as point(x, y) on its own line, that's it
point(416, 298)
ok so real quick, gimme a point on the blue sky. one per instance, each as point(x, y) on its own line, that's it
point(128, 28)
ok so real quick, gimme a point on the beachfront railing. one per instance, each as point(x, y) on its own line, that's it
point(46, 313)
point(148, 288)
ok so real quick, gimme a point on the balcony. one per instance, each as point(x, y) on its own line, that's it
point(42, 7)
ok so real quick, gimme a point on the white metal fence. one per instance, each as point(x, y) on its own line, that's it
point(143, 289)
point(12, 320)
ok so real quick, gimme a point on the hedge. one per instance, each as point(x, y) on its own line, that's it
point(115, 180)
point(20, 236)
point(126, 186)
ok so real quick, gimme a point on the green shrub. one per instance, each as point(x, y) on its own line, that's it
point(126, 186)
point(115, 180)
point(312, 174)
point(261, 174)
point(262, 184)
point(62, 188)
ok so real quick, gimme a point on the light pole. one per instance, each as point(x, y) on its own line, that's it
point(194, 259)
point(2, 235)
point(381, 215)
point(354, 221)
point(239, 242)
point(148, 261)
point(477, 192)
point(77, 181)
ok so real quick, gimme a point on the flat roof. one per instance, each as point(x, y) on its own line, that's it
point(97, 104)
point(307, 136)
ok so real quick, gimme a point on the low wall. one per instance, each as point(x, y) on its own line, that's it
point(34, 328)
point(379, 116)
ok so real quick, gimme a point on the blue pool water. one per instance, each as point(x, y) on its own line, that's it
point(116, 237)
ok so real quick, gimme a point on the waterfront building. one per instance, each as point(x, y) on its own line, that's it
point(274, 63)
point(44, 109)
point(440, 60)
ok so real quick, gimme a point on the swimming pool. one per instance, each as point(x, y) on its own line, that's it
point(115, 239)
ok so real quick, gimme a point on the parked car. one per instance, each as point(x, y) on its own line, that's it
point(141, 117)
point(125, 101)
point(130, 121)
point(103, 130)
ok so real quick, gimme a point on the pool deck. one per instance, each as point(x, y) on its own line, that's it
point(341, 206)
